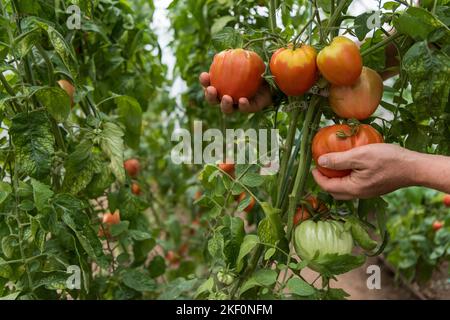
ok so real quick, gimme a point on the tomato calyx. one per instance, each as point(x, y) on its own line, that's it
point(354, 128)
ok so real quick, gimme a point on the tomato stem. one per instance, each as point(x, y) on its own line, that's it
point(273, 14)
point(302, 171)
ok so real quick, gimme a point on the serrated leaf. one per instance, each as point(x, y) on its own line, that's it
point(227, 38)
point(300, 287)
point(220, 23)
point(138, 280)
point(206, 286)
point(265, 277)
point(34, 143)
point(269, 253)
point(251, 179)
point(42, 193)
point(112, 144)
point(233, 234)
point(139, 235)
point(248, 244)
point(55, 100)
point(130, 114)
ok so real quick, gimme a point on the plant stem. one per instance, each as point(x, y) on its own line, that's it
point(302, 170)
point(380, 44)
point(273, 14)
point(335, 15)
point(287, 152)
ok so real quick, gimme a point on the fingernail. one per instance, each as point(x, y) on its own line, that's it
point(323, 161)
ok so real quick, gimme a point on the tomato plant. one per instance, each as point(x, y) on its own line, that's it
point(87, 117)
point(337, 138)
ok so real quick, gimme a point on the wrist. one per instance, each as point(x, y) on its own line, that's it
point(415, 164)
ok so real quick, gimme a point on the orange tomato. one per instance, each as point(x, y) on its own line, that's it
point(359, 100)
point(135, 188)
point(340, 62)
point(294, 70)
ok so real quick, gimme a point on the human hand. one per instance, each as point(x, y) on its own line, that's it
point(377, 169)
point(262, 99)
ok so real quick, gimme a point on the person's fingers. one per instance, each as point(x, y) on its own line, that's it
point(226, 104)
point(339, 160)
point(336, 186)
point(204, 79)
point(246, 106)
point(211, 95)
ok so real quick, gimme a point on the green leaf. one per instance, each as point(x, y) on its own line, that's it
point(216, 246)
point(157, 267)
point(333, 264)
point(56, 101)
point(227, 38)
point(428, 70)
point(112, 144)
point(5, 269)
point(139, 235)
point(119, 228)
point(42, 193)
point(265, 277)
point(300, 287)
point(248, 284)
point(248, 244)
point(206, 286)
point(233, 234)
point(26, 41)
point(220, 23)
point(377, 59)
point(251, 179)
point(34, 143)
point(360, 25)
point(130, 114)
point(138, 280)
point(269, 253)
point(5, 191)
point(418, 23)
point(9, 245)
point(81, 165)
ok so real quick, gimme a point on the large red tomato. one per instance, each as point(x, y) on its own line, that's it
point(340, 62)
point(446, 200)
point(328, 140)
point(237, 73)
point(294, 70)
point(359, 100)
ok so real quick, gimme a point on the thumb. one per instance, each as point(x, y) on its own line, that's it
point(338, 160)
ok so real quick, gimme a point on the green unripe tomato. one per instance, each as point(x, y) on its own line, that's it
point(321, 238)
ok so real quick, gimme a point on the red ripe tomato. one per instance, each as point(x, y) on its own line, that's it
point(227, 167)
point(446, 200)
point(132, 166)
point(135, 189)
point(437, 225)
point(250, 206)
point(294, 70)
point(359, 100)
point(328, 140)
point(237, 73)
point(340, 62)
point(303, 214)
point(68, 88)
